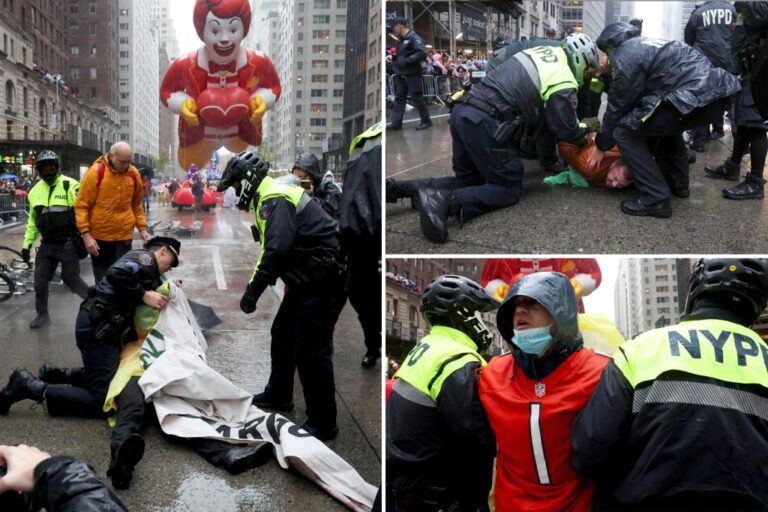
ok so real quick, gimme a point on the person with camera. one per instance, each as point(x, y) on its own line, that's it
point(299, 244)
point(104, 324)
point(324, 189)
point(51, 215)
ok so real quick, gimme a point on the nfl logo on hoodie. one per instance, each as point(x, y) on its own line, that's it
point(540, 389)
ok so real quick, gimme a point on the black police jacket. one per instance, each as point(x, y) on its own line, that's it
point(450, 446)
point(709, 30)
point(649, 71)
point(291, 239)
point(510, 87)
point(360, 210)
point(126, 281)
point(411, 52)
point(65, 484)
point(502, 54)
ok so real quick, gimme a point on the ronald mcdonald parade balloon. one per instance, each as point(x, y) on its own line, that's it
point(222, 90)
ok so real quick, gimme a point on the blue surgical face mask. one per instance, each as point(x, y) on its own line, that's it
point(533, 341)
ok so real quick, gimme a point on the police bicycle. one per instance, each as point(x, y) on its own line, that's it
point(16, 276)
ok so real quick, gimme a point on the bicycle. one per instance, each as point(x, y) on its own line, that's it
point(16, 276)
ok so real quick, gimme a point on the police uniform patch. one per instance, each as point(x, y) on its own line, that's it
point(145, 259)
point(266, 210)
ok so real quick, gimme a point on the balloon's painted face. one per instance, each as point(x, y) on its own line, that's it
point(222, 36)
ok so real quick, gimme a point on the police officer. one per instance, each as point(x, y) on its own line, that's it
point(510, 107)
point(709, 30)
point(324, 189)
point(300, 244)
point(104, 323)
point(360, 226)
point(439, 444)
point(678, 419)
point(659, 89)
point(407, 77)
point(51, 214)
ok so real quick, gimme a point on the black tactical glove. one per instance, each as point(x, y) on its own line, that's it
point(593, 124)
point(25, 255)
point(248, 302)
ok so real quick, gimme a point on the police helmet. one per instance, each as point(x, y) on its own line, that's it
point(46, 156)
point(247, 169)
point(743, 280)
point(457, 302)
point(582, 54)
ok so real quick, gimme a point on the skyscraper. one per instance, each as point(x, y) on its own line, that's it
point(588, 17)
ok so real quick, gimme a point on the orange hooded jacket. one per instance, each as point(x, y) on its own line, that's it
point(110, 210)
point(577, 157)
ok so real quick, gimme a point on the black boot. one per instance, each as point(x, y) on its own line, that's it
point(691, 155)
point(124, 460)
point(262, 400)
point(435, 206)
point(424, 126)
point(40, 321)
point(56, 374)
point(21, 386)
point(323, 434)
point(396, 190)
point(660, 209)
point(242, 458)
point(728, 171)
point(750, 188)
point(369, 361)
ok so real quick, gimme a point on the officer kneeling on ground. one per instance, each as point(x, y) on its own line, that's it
point(104, 324)
point(439, 445)
point(52, 215)
point(678, 420)
point(299, 243)
point(532, 91)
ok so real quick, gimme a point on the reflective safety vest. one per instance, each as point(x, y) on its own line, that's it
point(51, 209)
point(270, 188)
point(443, 351)
point(373, 131)
point(548, 68)
point(708, 348)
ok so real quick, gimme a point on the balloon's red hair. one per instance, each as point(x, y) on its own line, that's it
point(222, 9)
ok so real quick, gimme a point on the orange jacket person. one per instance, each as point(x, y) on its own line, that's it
point(108, 207)
point(610, 172)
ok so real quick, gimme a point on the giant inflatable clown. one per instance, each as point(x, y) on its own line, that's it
point(222, 90)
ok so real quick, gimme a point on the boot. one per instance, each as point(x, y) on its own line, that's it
point(424, 126)
point(435, 206)
point(321, 434)
point(660, 209)
point(369, 361)
point(728, 171)
point(396, 190)
point(124, 460)
point(56, 374)
point(40, 321)
point(691, 155)
point(262, 400)
point(242, 458)
point(750, 188)
point(22, 385)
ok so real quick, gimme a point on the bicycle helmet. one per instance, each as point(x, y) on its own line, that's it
point(245, 171)
point(582, 54)
point(743, 280)
point(457, 302)
point(47, 156)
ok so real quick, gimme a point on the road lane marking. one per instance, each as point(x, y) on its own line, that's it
point(431, 117)
point(420, 165)
point(218, 269)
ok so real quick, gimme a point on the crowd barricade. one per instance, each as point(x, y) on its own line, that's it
point(12, 205)
point(447, 85)
point(390, 89)
point(429, 83)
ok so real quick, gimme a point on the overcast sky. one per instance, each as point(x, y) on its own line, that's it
point(181, 13)
point(602, 299)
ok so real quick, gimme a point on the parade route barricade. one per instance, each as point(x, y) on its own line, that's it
point(11, 206)
point(430, 88)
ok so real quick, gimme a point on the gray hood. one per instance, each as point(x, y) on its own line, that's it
point(552, 290)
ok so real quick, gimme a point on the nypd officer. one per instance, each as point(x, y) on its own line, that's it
point(409, 55)
point(678, 420)
point(51, 214)
point(104, 324)
point(709, 30)
point(533, 90)
point(299, 243)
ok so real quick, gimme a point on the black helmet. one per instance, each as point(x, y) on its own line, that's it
point(246, 169)
point(743, 280)
point(311, 165)
point(455, 301)
point(47, 156)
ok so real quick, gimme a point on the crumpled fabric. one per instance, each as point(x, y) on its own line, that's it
point(569, 176)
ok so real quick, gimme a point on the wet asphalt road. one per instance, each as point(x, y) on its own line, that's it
point(560, 220)
point(172, 477)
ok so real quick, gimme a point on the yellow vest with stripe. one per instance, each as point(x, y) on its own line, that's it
point(554, 72)
point(55, 198)
point(443, 351)
point(269, 188)
point(373, 131)
point(708, 348)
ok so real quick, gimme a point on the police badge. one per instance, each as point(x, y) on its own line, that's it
point(540, 389)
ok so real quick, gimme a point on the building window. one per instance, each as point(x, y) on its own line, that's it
point(317, 121)
point(93, 92)
point(319, 93)
point(74, 50)
point(320, 48)
point(123, 12)
point(124, 68)
point(338, 107)
point(300, 64)
point(339, 79)
point(123, 54)
point(302, 5)
point(319, 79)
point(319, 64)
point(341, 19)
point(301, 36)
point(123, 26)
point(338, 93)
point(92, 29)
point(123, 40)
point(73, 9)
point(319, 107)
point(124, 95)
point(320, 19)
point(321, 34)
point(75, 73)
point(341, 4)
point(341, 34)
point(338, 64)
point(316, 136)
point(93, 51)
point(322, 4)
point(92, 73)
point(339, 48)
point(298, 95)
point(298, 109)
point(92, 8)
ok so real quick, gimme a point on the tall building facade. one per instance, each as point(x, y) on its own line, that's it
point(686, 9)
point(168, 51)
point(647, 293)
point(139, 80)
point(362, 69)
point(587, 17)
point(310, 63)
point(619, 11)
point(539, 16)
point(160, 12)
point(44, 23)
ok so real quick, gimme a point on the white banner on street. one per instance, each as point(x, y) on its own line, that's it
point(193, 400)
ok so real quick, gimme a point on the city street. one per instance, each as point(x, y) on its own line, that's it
point(553, 220)
point(215, 265)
